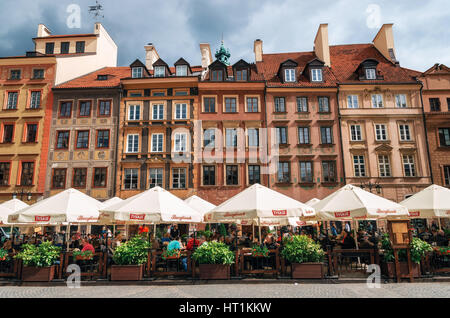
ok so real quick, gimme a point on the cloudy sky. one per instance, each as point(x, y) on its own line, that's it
point(176, 27)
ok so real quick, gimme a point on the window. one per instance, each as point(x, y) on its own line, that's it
point(303, 136)
point(12, 100)
point(26, 178)
point(280, 106)
point(156, 177)
point(355, 133)
point(133, 143)
point(180, 143)
point(435, 104)
point(241, 75)
point(289, 75)
point(252, 104)
point(281, 135)
point(209, 104)
point(329, 171)
point(59, 179)
point(180, 111)
point(80, 46)
point(8, 133)
point(306, 172)
point(181, 93)
point(231, 137)
point(158, 112)
point(444, 137)
point(209, 137)
point(253, 137)
point(134, 112)
point(35, 100)
point(230, 104)
point(302, 104)
point(377, 101)
point(157, 142)
point(446, 176)
point(65, 110)
point(49, 48)
point(137, 72)
point(4, 173)
point(371, 73)
point(380, 132)
point(82, 139)
point(405, 134)
point(79, 177)
point(283, 173)
point(232, 175)
point(65, 47)
point(384, 166)
point(316, 75)
point(179, 178)
point(15, 74)
point(85, 109)
point(254, 174)
point(62, 139)
point(352, 101)
point(326, 135)
point(131, 179)
point(408, 166)
point(103, 139)
point(135, 94)
point(359, 166)
point(181, 70)
point(400, 100)
point(209, 175)
point(448, 103)
point(324, 105)
point(100, 177)
point(159, 93)
point(38, 73)
point(217, 75)
point(160, 71)
point(31, 133)
point(104, 108)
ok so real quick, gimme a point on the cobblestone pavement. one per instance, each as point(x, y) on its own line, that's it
point(403, 290)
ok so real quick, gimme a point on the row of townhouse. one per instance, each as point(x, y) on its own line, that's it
point(302, 123)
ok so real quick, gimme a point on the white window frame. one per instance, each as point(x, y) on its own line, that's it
point(158, 144)
point(137, 72)
point(157, 174)
point(253, 137)
point(229, 135)
point(131, 144)
point(404, 132)
point(289, 75)
point(134, 177)
point(355, 133)
point(13, 98)
point(410, 162)
point(180, 171)
point(179, 111)
point(381, 133)
point(35, 102)
point(377, 101)
point(316, 75)
point(181, 70)
point(134, 112)
point(159, 71)
point(384, 166)
point(352, 101)
point(359, 165)
point(180, 142)
point(159, 111)
point(400, 101)
point(212, 142)
point(371, 73)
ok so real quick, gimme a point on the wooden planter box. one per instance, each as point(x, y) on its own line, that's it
point(126, 272)
point(38, 274)
point(388, 269)
point(307, 270)
point(214, 271)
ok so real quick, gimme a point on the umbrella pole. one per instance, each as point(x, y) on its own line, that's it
point(355, 229)
point(259, 229)
point(67, 236)
point(439, 223)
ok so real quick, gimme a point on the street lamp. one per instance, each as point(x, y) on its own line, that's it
point(22, 193)
point(371, 186)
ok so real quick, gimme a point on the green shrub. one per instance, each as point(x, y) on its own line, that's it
point(222, 230)
point(132, 252)
point(43, 255)
point(213, 253)
point(4, 254)
point(302, 249)
point(418, 248)
point(258, 250)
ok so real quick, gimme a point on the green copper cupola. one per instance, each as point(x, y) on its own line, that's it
point(223, 54)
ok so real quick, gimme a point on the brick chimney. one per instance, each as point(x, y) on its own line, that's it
point(151, 56)
point(205, 50)
point(321, 48)
point(258, 50)
point(384, 42)
point(43, 31)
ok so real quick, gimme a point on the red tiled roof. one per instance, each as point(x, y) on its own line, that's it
point(90, 80)
point(437, 69)
point(255, 74)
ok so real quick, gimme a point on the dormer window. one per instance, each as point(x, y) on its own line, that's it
point(217, 75)
point(371, 73)
point(289, 75)
point(137, 72)
point(102, 77)
point(160, 71)
point(181, 70)
point(241, 75)
point(316, 75)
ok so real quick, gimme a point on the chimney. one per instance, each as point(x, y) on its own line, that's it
point(205, 50)
point(384, 42)
point(43, 31)
point(151, 56)
point(258, 50)
point(321, 48)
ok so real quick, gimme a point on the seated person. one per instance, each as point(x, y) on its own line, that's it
point(191, 242)
point(177, 245)
point(348, 242)
point(87, 246)
point(365, 242)
point(441, 240)
point(165, 240)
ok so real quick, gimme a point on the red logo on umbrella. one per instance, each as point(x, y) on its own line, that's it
point(414, 213)
point(139, 217)
point(38, 218)
point(342, 214)
point(279, 212)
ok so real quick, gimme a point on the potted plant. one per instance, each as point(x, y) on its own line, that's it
point(129, 259)
point(418, 248)
point(82, 256)
point(39, 261)
point(170, 254)
point(305, 256)
point(3, 255)
point(260, 251)
point(214, 260)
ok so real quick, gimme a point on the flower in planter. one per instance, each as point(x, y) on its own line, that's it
point(170, 254)
point(3, 255)
point(213, 253)
point(302, 249)
point(132, 252)
point(258, 250)
point(86, 255)
point(43, 255)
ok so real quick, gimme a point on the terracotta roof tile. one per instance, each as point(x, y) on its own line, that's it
point(90, 80)
point(255, 74)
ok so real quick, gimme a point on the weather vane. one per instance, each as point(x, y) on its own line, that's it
point(95, 10)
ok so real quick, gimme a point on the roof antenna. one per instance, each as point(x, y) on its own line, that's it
point(95, 10)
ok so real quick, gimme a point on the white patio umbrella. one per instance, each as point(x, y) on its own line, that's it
point(433, 201)
point(9, 207)
point(112, 201)
point(199, 204)
point(312, 201)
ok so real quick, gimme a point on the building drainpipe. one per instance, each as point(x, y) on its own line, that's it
point(267, 139)
point(426, 133)
point(340, 135)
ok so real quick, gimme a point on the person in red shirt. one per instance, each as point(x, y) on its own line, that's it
point(190, 244)
point(87, 246)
